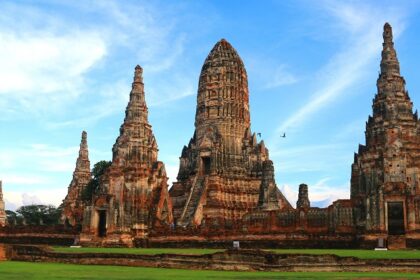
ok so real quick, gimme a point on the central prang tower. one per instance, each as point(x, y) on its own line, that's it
point(222, 168)
point(223, 101)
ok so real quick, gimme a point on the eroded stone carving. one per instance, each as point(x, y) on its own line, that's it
point(133, 194)
point(384, 179)
point(3, 219)
point(224, 171)
point(73, 206)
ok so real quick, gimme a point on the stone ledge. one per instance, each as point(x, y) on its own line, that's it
point(244, 260)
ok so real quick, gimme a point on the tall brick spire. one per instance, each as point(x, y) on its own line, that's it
point(136, 142)
point(1, 190)
point(83, 163)
point(391, 103)
point(3, 219)
point(386, 168)
point(133, 193)
point(73, 204)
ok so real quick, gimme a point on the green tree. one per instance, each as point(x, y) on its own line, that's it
point(98, 170)
point(13, 218)
point(39, 214)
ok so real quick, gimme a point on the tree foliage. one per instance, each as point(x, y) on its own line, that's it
point(13, 218)
point(37, 214)
point(98, 170)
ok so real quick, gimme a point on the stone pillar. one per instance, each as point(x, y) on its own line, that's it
point(303, 199)
point(3, 218)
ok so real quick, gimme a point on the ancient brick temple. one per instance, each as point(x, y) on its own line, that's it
point(224, 171)
point(385, 193)
point(133, 195)
point(385, 174)
point(3, 219)
point(226, 189)
point(73, 204)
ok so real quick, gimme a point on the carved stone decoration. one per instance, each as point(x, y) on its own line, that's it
point(73, 205)
point(269, 193)
point(224, 171)
point(133, 196)
point(3, 218)
point(385, 171)
point(303, 199)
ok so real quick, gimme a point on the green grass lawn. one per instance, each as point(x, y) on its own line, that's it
point(26, 270)
point(363, 254)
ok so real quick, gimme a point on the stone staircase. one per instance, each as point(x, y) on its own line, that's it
point(396, 242)
point(192, 202)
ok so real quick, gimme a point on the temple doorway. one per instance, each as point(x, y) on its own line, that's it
point(206, 165)
point(396, 218)
point(102, 223)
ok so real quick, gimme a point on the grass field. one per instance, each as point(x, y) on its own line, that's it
point(363, 254)
point(38, 271)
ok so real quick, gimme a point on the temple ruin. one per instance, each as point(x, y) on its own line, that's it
point(385, 174)
point(224, 171)
point(73, 205)
point(133, 195)
point(225, 188)
point(3, 219)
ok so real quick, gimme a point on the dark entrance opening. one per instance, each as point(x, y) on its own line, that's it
point(396, 218)
point(206, 165)
point(102, 223)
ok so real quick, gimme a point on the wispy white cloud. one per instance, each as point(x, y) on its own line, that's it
point(269, 74)
point(36, 173)
point(167, 93)
point(15, 199)
point(43, 68)
point(349, 130)
point(360, 28)
point(169, 60)
point(24, 179)
point(39, 157)
point(321, 194)
point(356, 29)
point(111, 99)
point(280, 77)
point(311, 158)
point(47, 60)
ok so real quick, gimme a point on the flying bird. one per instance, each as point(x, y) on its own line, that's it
point(259, 134)
point(284, 135)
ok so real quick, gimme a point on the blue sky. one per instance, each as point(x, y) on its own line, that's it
point(67, 66)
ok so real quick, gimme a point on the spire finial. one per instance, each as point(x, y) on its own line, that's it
point(1, 190)
point(389, 62)
point(387, 33)
point(83, 151)
point(84, 136)
point(138, 74)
